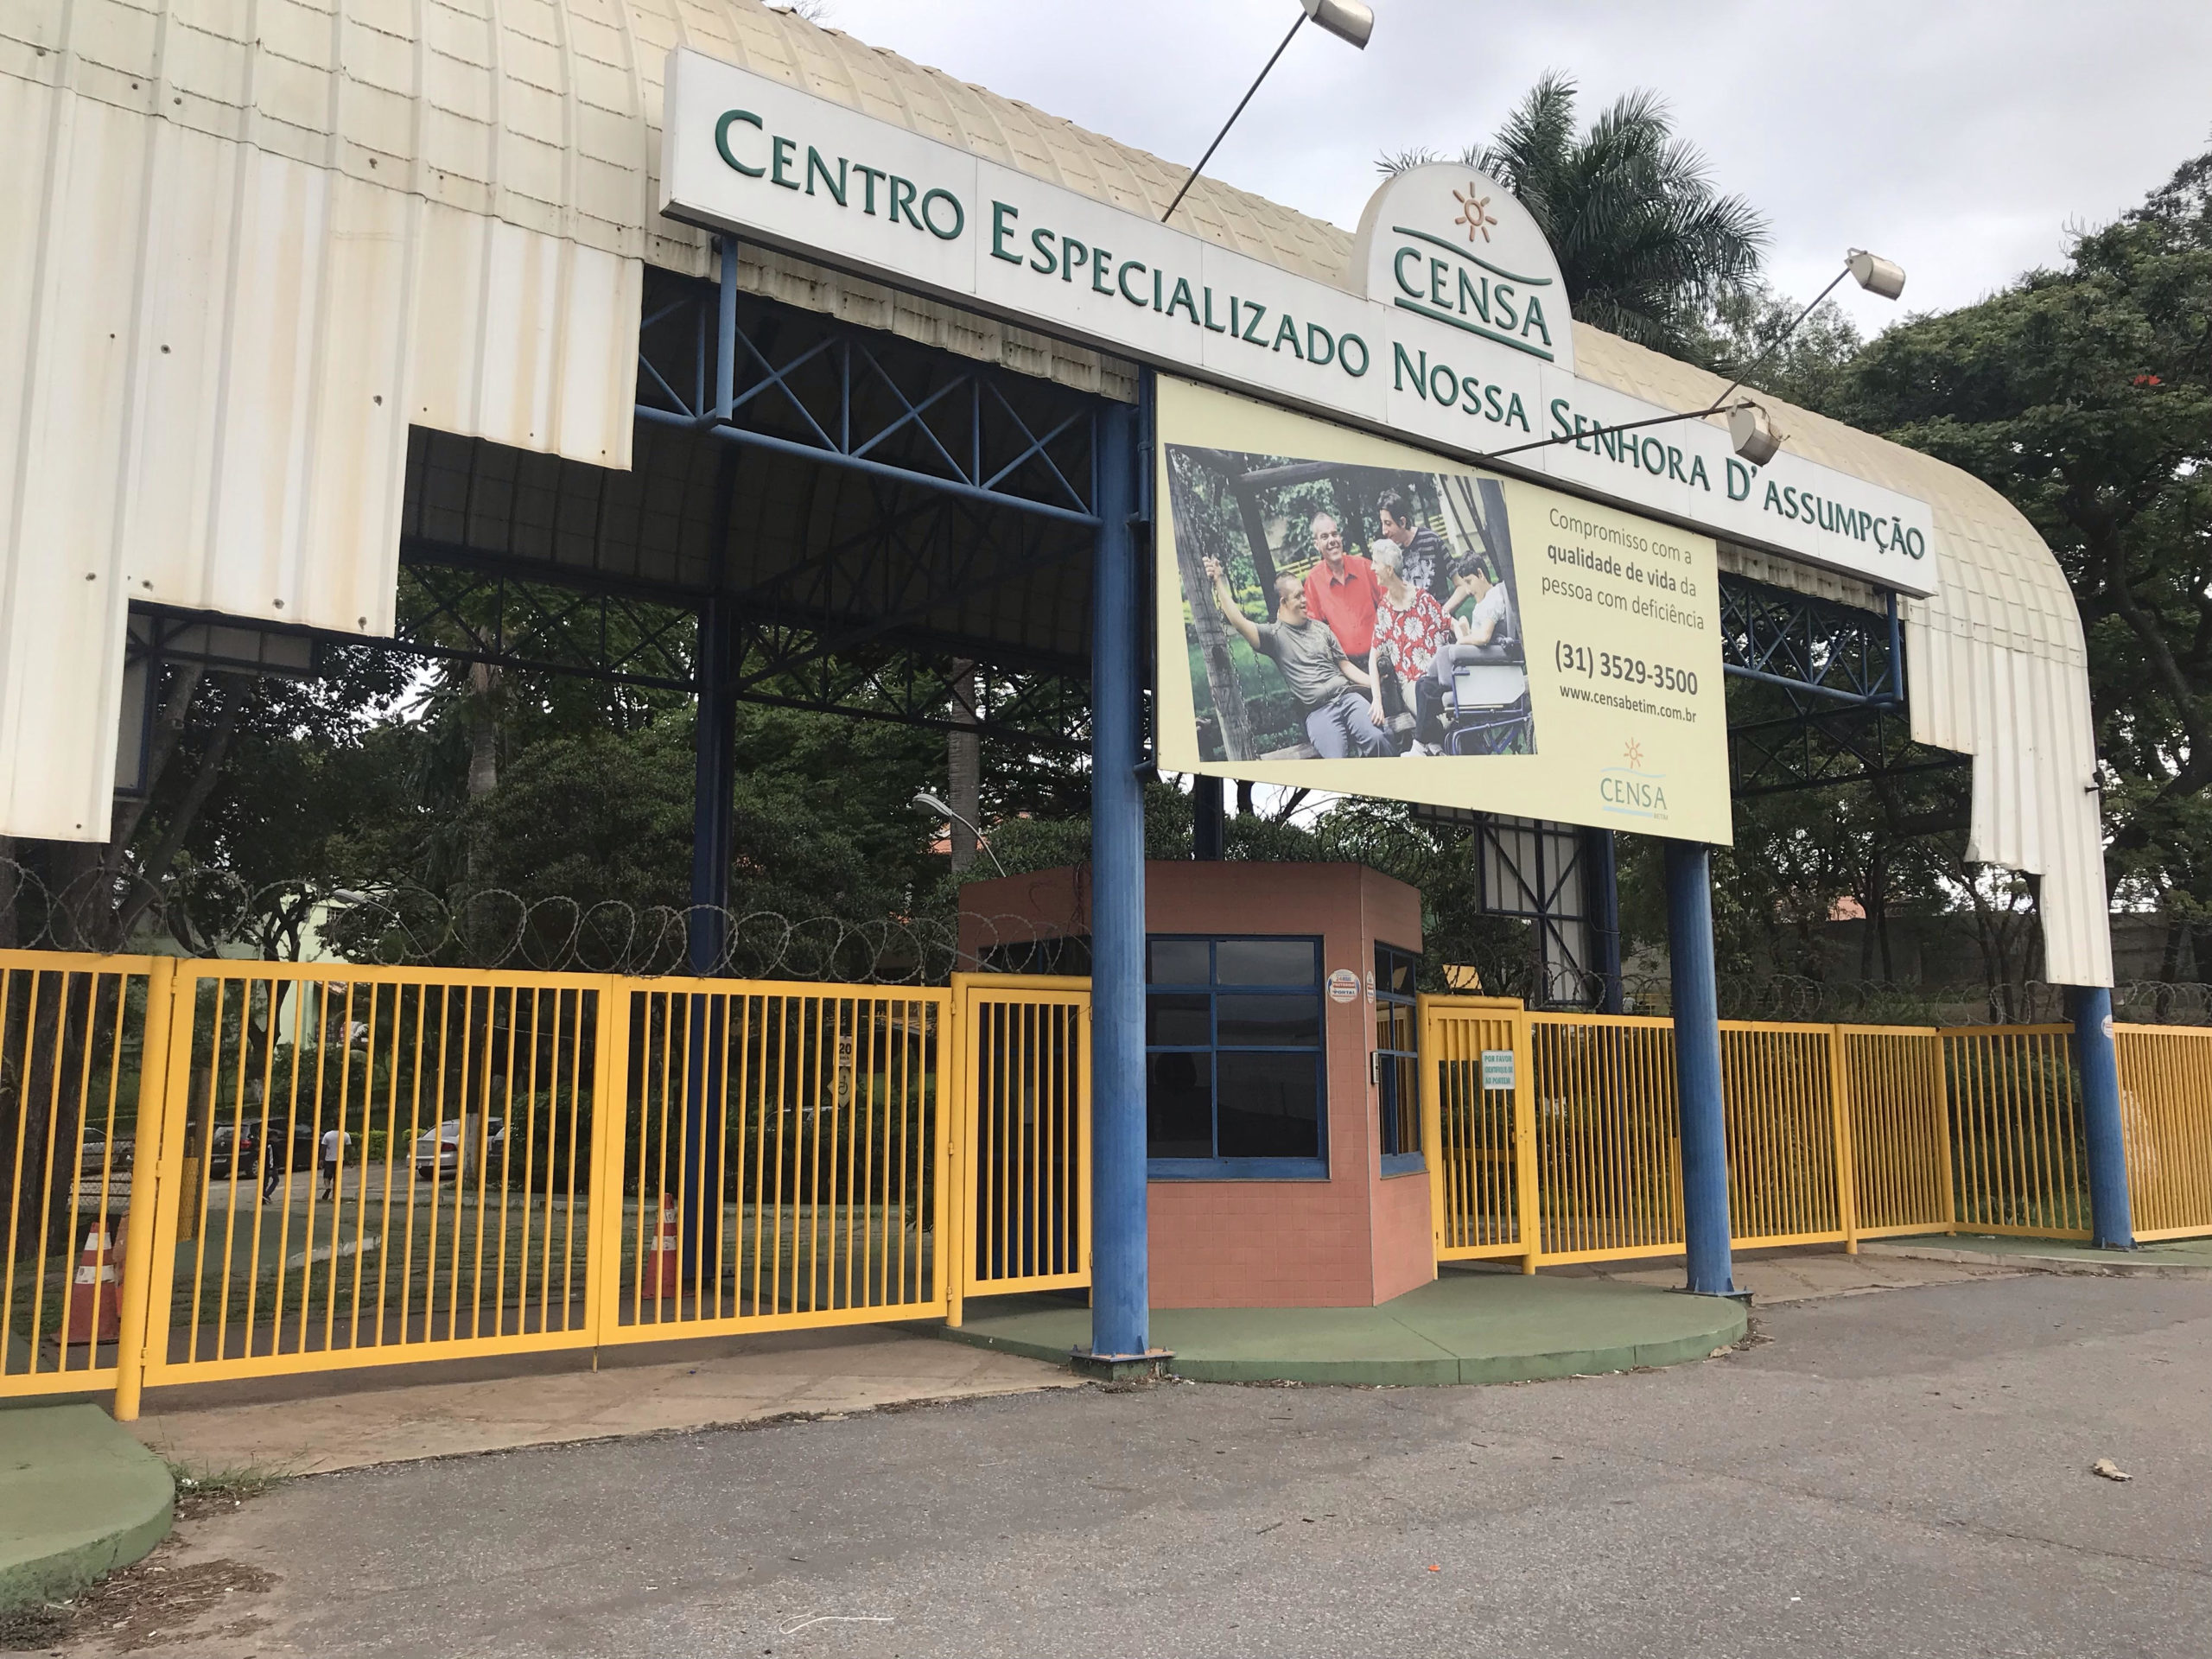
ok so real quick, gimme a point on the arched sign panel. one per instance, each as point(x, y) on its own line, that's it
point(1461, 340)
point(1342, 612)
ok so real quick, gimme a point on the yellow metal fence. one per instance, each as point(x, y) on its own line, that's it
point(1567, 1151)
point(1024, 1066)
point(226, 1169)
point(2165, 1112)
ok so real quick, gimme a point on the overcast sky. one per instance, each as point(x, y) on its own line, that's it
point(1961, 137)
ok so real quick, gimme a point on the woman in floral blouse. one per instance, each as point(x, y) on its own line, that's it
point(1412, 624)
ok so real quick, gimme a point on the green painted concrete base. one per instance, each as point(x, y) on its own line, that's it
point(2180, 1258)
point(1466, 1327)
point(79, 1497)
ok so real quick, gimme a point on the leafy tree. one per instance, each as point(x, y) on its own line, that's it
point(2084, 394)
point(1645, 243)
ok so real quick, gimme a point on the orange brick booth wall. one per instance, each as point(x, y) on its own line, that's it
point(1353, 1240)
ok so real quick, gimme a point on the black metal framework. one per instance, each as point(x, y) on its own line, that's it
point(867, 402)
point(1814, 648)
point(457, 611)
point(1818, 698)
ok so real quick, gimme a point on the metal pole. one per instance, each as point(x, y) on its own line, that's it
point(714, 784)
point(1601, 867)
point(1120, 1293)
point(2110, 1221)
point(1209, 834)
point(1697, 1069)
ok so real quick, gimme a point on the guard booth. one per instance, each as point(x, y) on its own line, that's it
point(711, 350)
point(1282, 1138)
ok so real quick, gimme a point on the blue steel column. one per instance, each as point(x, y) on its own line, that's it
point(713, 787)
point(1119, 1267)
point(2110, 1219)
point(1697, 1069)
point(1601, 903)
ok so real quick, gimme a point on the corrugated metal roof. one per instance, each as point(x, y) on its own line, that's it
point(244, 247)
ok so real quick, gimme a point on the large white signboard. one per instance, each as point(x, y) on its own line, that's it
point(1462, 341)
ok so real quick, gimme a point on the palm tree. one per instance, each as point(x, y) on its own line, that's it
point(1646, 246)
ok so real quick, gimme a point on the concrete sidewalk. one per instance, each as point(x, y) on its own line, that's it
point(345, 1420)
point(2182, 1258)
point(1466, 1327)
point(79, 1497)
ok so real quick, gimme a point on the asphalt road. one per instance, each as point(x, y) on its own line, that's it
point(1901, 1473)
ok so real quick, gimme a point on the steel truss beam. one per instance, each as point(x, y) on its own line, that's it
point(460, 613)
point(1814, 648)
point(1823, 749)
point(827, 392)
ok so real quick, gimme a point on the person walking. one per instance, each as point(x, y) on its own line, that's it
point(273, 1160)
point(334, 1142)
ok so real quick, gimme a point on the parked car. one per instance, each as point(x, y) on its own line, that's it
point(437, 1152)
point(92, 1154)
point(240, 1143)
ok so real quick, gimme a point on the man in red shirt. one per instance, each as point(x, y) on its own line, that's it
point(1342, 591)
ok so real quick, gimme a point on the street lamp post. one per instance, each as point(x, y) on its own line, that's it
point(1348, 20)
point(929, 803)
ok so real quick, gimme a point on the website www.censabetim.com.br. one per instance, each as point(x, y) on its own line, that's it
point(1632, 705)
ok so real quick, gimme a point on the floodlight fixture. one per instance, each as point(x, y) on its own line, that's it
point(1875, 274)
point(1752, 433)
point(1348, 20)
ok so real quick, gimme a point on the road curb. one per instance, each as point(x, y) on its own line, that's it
point(2120, 1267)
point(1726, 1327)
point(78, 1499)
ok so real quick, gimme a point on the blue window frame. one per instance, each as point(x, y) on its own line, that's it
point(1235, 1066)
point(1397, 1059)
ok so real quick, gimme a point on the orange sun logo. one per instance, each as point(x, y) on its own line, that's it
point(1634, 753)
point(1474, 212)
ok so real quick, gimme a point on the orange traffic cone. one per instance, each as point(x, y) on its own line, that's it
point(96, 1295)
point(660, 1278)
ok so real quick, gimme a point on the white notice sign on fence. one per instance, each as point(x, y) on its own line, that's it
point(1497, 1068)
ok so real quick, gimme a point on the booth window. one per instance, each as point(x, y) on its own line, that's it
point(1233, 1060)
point(1397, 1059)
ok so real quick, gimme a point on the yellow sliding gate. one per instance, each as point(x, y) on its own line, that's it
point(231, 1169)
point(1552, 1137)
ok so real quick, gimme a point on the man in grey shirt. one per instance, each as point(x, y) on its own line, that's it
point(1340, 723)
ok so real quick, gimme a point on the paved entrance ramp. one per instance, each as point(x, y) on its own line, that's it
point(1468, 1327)
point(79, 1497)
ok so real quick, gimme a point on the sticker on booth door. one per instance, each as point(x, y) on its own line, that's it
point(1344, 986)
point(1497, 1068)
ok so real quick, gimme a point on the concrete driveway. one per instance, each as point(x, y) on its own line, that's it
point(1899, 1474)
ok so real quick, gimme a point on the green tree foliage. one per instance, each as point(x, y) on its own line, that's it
point(1646, 244)
point(2084, 394)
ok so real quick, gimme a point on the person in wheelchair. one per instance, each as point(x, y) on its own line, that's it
point(1474, 699)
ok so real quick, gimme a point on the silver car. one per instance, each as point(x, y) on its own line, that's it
point(437, 1152)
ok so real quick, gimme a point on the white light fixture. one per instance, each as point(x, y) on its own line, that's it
point(1753, 435)
point(1875, 274)
point(1347, 19)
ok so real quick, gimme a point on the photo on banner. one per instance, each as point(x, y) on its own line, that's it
point(1342, 613)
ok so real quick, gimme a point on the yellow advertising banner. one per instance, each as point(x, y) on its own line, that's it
point(1338, 612)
